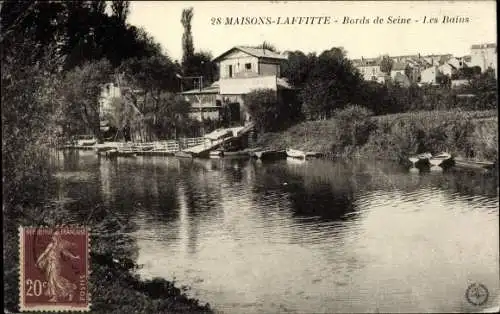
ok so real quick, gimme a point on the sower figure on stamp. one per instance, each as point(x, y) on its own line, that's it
point(50, 261)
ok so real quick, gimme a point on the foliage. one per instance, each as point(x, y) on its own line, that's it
point(187, 38)
point(266, 45)
point(466, 73)
point(333, 83)
point(82, 29)
point(263, 108)
point(81, 90)
point(30, 112)
point(354, 124)
point(396, 136)
point(298, 67)
point(386, 64)
point(120, 10)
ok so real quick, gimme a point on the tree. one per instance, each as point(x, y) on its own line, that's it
point(81, 90)
point(298, 67)
point(263, 108)
point(187, 40)
point(333, 82)
point(354, 126)
point(266, 45)
point(120, 9)
point(386, 65)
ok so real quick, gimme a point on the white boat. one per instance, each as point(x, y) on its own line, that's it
point(295, 153)
point(85, 140)
point(438, 159)
point(216, 154)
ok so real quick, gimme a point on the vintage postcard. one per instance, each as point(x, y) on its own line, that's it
point(250, 156)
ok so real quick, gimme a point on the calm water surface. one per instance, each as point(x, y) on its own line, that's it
point(289, 236)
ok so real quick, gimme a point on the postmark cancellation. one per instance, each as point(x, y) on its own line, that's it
point(54, 268)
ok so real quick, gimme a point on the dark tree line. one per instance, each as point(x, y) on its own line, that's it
point(82, 30)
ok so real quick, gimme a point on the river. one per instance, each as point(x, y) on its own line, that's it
point(290, 236)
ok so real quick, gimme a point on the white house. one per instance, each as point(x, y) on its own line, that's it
point(398, 68)
point(447, 69)
point(241, 70)
point(369, 68)
point(108, 92)
point(429, 75)
point(484, 56)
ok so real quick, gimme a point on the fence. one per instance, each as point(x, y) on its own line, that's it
point(170, 146)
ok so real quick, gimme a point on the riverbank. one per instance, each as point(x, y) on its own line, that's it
point(469, 134)
point(114, 285)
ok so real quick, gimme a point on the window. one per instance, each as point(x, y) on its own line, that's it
point(230, 72)
point(248, 66)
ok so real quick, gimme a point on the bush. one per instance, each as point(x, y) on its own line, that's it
point(354, 125)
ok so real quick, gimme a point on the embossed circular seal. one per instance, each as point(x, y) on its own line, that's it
point(477, 294)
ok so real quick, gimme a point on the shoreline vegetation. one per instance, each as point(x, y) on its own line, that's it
point(354, 131)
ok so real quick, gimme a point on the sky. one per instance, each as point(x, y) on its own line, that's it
point(162, 21)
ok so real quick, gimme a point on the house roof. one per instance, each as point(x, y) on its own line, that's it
point(256, 52)
point(212, 89)
point(398, 66)
point(481, 46)
point(367, 62)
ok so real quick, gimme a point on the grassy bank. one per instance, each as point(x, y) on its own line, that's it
point(354, 131)
point(114, 285)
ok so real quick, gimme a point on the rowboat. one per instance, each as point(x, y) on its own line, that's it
point(295, 153)
point(474, 164)
point(437, 160)
point(269, 154)
point(221, 153)
point(182, 154)
point(313, 155)
point(108, 153)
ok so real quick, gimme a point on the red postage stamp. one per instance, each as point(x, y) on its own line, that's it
point(54, 269)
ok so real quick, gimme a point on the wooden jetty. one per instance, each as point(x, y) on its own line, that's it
point(217, 139)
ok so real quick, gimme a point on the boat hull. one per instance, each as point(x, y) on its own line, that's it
point(293, 153)
point(270, 155)
point(183, 155)
point(474, 165)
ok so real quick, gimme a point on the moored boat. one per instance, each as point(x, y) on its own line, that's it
point(294, 153)
point(313, 155)
point(216, 154)
point(420, 160)
point(222, 153)
point(270, 154)
point(182, 154)
point(474, 164)
point(439, 159)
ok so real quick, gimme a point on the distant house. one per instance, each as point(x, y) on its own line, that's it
point(108, 93)
point(369, 68)
point(204, 104)
point(484, 56)
point(447, 69)
point(398, 68)
point(382, 78)
point(241, 70)
point(429, 75)
point(457, 63)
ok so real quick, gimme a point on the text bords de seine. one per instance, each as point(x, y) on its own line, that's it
point(316, 20)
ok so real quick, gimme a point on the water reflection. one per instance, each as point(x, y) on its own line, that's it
point(315, 236)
